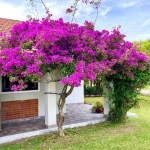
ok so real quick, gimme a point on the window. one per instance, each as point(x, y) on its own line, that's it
point(6, 85)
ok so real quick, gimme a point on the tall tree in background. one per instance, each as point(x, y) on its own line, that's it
point(143, 46)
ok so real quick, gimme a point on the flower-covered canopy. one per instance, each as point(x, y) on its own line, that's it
point(36, 47)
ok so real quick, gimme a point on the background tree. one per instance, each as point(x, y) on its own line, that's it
point(98, 85)
point(143, 46)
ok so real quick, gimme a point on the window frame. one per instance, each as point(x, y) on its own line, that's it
point(23, 91)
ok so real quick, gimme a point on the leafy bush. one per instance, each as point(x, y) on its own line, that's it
point(101, 91)
point(90, 90)
point(123, 95)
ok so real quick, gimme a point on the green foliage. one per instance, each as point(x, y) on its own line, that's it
point(123, 94)
point(98, 85)
point(68, 68)
point(143, 46)
point(86, 83)
point(27, 44)
point(97, 89)
point(90, 90)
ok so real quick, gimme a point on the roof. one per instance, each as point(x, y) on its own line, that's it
point(7, 24)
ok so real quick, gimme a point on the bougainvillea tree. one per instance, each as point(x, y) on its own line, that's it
point(128, 75)
point(37, 47)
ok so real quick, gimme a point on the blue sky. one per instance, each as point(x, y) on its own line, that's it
point(133, 16)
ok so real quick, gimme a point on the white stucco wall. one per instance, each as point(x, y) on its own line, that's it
point(77, 96)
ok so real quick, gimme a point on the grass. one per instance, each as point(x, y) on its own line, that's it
point(132, 135)
point(93, 100)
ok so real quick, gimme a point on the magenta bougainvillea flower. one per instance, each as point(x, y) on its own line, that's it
point(35, 47)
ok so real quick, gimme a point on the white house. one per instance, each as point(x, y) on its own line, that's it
point(32, 102)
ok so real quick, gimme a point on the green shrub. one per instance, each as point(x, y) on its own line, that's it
point(101, 91)
point(89, 90)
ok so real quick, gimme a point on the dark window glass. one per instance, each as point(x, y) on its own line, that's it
point(6, 85)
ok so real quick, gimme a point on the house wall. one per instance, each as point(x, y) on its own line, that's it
point(77, 96)
point(25, 95)
point(22, 109)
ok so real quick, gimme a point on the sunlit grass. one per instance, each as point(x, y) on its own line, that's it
point(93, 100)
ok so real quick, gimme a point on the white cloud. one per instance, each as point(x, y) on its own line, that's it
point(104, 12)
point(20, 11)
point(126, 5)
point(84, 10)
point(57, 8)
point(145, 23)
point(137, 37)
point(7, 10)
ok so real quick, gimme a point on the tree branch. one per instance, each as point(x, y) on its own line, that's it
point(70, 91)
point(96, 16)
point(33, 14)
point(75, 8)
point(33, 5)
point(40, 1)
point(64, 89)
point(44, 5)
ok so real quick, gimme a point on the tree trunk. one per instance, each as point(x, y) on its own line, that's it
point(60, 104)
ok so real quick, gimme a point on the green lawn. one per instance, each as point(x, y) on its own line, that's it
point(132, 135)
point(93, 100)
